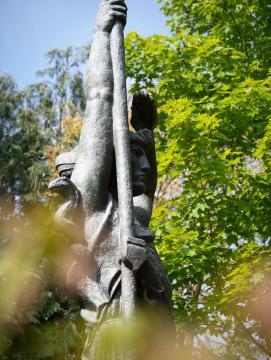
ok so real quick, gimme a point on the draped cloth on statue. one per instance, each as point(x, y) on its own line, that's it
point(100, 289)
point(100, 284)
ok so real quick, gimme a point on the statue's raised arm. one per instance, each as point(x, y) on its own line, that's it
point(94, 161)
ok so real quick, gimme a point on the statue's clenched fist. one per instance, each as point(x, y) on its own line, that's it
point(109, 12)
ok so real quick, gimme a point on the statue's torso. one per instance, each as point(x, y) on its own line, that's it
point(102, 282)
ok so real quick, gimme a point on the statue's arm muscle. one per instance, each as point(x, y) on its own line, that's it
point(93, 167)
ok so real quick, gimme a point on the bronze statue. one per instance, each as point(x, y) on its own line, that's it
point(92, 189)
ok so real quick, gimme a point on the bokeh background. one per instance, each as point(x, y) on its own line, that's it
point(209, 71)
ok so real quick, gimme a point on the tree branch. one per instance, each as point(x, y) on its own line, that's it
point(252, 338)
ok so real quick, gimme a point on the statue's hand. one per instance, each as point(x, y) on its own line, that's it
point(111, 11)
point(146, 136)
point(144, 111)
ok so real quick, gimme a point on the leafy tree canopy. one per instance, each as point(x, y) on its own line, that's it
point(211, 79)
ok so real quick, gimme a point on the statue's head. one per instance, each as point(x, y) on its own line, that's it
point(139, 143)
point(143, 121)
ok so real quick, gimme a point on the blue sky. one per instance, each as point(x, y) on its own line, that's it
point(29, 28)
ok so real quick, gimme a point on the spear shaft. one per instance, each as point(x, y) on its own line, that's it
point(123, 165)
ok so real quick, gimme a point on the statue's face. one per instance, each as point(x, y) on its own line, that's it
point(140, 168)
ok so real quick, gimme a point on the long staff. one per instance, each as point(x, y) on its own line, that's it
point(123, 165)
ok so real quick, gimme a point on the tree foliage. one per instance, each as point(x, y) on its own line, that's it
point(36, 124)
point(211, 79)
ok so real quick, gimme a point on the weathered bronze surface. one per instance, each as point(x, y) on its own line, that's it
point(108, 184)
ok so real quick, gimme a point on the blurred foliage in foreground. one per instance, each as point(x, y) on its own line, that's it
point(211, 79)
